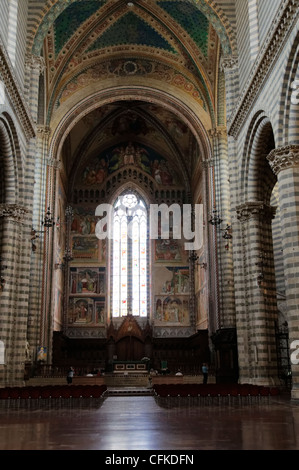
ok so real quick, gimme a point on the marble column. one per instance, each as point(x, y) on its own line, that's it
point(256, 308)
point(14, 292)
point(284, 162)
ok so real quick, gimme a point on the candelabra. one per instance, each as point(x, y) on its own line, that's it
point(214, 218)
point(2, 280)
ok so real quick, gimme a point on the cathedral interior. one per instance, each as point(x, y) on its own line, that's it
point(110, 109)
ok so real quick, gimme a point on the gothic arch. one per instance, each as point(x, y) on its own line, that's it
point(85, 106)
point(257, 178)
point(9, 161)
point(289, 109)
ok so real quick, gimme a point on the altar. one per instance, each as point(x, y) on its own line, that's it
point(129, 367)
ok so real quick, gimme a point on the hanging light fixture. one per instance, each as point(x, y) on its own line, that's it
point(48, 220)
point(2, 280)
point(215, 218)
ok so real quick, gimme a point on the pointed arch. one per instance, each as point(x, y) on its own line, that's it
point(257, 178)
point(9, 161)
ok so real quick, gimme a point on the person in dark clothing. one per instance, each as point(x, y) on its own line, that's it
point(70, 375)
point(205, 373)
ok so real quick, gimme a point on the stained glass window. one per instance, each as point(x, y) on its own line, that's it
point(129, 257)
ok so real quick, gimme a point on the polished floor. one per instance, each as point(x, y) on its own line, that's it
point(141, 423)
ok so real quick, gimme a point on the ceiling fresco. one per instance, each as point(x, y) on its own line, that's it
point(94, 45)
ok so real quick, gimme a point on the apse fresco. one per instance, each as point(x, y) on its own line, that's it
point(87, 281)
point(119, 156)
point(86, 311)
point(84, 221)
point(172, 310)
point(169, 250)
point(86, 247)
point(172, 290)
point(87, 296)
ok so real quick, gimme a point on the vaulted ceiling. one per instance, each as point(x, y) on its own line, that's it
point(120, 70)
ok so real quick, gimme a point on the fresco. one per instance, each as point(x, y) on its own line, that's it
point(128, 154)
point(87, 281)
point(88, 311)
point(86, 247)
point(172, 310)
point(87, 296)
point(172, 290)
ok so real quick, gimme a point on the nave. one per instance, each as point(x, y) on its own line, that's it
point(140, 423)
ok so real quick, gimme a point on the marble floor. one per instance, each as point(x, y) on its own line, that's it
point(141, 423)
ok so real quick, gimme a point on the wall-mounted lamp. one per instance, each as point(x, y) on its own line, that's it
point(68, 256)
point(49, 219)
point(2, 280)
point(194, 258)
point(214, 218)
point(261, 264)
point(227, 235)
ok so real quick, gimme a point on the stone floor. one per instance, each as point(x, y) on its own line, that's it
point(142, 423)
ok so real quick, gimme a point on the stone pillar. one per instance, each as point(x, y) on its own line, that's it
point(224, 245)
point(35, 66)
point(284, 162)
point(47, 300)
point(38, 149)
point(14, 294)
point(208, 167)
point(229, 66)
point(256, 309)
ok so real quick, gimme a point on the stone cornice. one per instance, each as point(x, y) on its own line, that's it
point(13, 211)
point(283, 158)
point(255, 209)
point(10, 81)
point(275, 39)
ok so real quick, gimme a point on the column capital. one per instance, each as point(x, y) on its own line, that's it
point(210, 163)
point(253, 210)
point(216, 132)
point(35, 62)
point(13, 212)
point(229, 62)
point(283, 158)
point(52, 162)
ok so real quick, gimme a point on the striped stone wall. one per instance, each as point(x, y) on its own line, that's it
point(258, 115)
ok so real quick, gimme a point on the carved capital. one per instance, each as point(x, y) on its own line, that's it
point(13, 212)
point(255, 210)
point(217, 132)
point(52, 162)
point(284, 157)
point(229, 62)
point(210, 163)
point(35, 63)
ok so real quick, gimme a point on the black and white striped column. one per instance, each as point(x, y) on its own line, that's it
point(284, 162)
